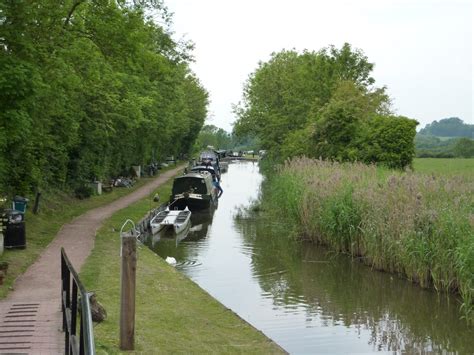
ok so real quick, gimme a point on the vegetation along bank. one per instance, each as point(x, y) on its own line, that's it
point(417, 225)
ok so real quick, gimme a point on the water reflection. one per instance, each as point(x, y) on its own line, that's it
point(335, 291)
point(306, 299)
point(167, 243)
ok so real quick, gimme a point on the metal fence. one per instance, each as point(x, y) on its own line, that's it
point(73, 292)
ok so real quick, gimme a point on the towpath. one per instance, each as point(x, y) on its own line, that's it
point(30, 317)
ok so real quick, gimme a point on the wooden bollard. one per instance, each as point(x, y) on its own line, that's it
point(128, 284)
point(37, 201)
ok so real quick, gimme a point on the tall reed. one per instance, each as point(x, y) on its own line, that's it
point(417, 225)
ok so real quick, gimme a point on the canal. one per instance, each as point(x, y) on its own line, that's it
point(306, 299)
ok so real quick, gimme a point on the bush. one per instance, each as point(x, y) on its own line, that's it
point(83, 191)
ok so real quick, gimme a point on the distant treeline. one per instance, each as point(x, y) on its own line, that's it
point(89, 88)
point(324, 104)
point(448, 138)
point(219, 138)
point(448, 127)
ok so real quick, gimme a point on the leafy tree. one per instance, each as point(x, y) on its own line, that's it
point(320, 104)
point(464, 148)
point(389, 141)
point(90, 87)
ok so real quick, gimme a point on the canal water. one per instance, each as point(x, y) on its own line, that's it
point(306, 299)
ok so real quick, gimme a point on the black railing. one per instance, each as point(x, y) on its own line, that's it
point(73, 292)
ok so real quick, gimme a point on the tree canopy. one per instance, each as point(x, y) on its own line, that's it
point(324, 104)
point(90, 87)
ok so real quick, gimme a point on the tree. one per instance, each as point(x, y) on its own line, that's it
point(317, 104)
point(389, 141)
point(211, 135)
point(88, 89)
point(464, 148)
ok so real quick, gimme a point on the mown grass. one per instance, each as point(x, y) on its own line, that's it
point(454, 166)
point(417, 225)
point(56, 209)
point(173, 314)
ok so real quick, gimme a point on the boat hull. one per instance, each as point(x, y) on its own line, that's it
point(194, 204)
point(175, 219)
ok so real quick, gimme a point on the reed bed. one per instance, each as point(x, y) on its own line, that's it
point(417, 225)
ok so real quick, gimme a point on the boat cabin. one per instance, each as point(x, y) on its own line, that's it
point(195, 190)
point(207, 168)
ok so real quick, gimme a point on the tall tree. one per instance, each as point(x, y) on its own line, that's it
point(90, 87)
point(313, 103)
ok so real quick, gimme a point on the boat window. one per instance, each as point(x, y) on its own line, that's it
point(195, 185)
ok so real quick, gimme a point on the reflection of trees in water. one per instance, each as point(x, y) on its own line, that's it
point(398, 315)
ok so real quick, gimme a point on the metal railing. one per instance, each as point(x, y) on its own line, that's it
point(71, 289)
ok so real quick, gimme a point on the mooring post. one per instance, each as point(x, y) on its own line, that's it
point(128, 283)
point(37, 201)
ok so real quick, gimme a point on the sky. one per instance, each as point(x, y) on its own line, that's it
point(422, 49)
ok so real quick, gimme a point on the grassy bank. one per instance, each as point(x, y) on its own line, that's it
point(417, 225)
point(173, 315)
point(56, 209)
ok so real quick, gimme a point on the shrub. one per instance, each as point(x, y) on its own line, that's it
point(83, 191)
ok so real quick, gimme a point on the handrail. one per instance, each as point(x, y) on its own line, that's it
point(84, 344)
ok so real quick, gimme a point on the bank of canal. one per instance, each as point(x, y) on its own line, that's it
point(304, 298)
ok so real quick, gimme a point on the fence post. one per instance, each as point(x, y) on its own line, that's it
point(128, 283)
point(37, 202)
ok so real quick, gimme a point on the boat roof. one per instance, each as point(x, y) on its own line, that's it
point(190, 175)
point(208, 155)
point(203, 167)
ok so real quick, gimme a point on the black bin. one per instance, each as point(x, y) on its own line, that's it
point(13, 226)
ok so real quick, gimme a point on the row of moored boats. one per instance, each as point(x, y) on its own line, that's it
point(197, 189)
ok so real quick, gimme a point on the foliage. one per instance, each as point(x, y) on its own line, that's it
point(414, 224)
point(323, 104)
point(464, 148)
point(448, 127)
point(435, 147)
point(389, 141)
point(211, 135)
point(88, 89)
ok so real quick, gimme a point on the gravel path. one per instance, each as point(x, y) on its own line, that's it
point(30, 317)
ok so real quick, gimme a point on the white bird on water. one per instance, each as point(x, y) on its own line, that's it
point(170, 260)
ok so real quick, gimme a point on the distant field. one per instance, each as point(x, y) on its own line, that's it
point(444, 166)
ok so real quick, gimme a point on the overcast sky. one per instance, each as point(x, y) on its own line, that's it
point(422, 49)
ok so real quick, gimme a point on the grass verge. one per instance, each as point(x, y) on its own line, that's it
point(173, 314)
point(56, 209)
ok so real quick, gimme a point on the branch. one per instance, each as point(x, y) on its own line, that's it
point(73, 8)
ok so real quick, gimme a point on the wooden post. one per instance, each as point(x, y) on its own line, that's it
point(37, 201)
point(128, 282)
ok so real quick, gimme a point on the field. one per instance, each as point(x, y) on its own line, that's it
point(417, 224)
point(457, 166)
